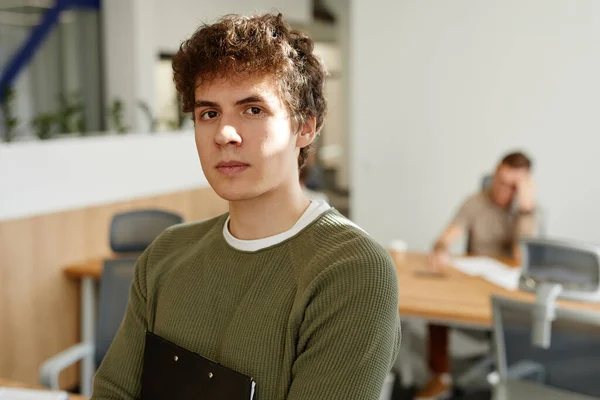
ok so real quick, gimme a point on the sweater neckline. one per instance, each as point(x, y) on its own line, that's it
point(314, 211)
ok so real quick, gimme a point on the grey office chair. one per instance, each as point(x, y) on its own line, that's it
point(486, 181)
point(115, 282)
point(133, 231)
point(570, 363)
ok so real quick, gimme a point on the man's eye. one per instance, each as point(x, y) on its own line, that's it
point(253, 111)
point(209, 115)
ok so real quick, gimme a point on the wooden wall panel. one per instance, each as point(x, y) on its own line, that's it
point(39, 306)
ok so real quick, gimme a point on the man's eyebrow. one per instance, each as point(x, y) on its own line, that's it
point(250, 99)
point(246, 100)
point(205, 103)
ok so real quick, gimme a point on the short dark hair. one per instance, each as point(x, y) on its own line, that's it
point(517, 159)
point(239, 46)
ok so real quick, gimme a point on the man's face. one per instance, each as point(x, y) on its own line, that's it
point(505, 184)
point(245, 138)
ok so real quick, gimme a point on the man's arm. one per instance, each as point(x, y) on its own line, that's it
point(439, 257)
point(350, 335)
point(525, 224)
point(119, 375)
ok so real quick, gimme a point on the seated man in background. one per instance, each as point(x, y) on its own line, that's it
point(494, 219)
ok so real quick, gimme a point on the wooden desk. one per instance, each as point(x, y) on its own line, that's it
point(12, 384)
point(88, 268)
point(454, 300)
point(457, 298)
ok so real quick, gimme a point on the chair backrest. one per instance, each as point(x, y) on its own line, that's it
point(133, 231)
point(115, 282)
point(570, 363)
point(486, 181)
point(572, 264)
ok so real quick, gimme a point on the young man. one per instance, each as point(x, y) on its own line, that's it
point(494, 219)
point(281, 289)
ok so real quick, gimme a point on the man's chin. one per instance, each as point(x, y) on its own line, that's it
point(235, 195)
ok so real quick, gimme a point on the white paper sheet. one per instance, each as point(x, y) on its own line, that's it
point(28, 394)
point(489, 269)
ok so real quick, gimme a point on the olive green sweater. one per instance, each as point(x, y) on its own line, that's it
point(313, 317)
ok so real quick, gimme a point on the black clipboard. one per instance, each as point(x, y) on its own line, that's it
point(172, 372)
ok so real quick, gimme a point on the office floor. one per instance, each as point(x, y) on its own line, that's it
point(401, 393)
point(464, 351)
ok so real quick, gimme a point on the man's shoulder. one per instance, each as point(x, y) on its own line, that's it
point(338, 245)
point(477, 200)
point(186, 234)
point(477, 197)
point(198, 227)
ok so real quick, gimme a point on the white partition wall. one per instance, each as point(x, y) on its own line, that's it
point(178, 19)
point(441, 89)
point(42, 177)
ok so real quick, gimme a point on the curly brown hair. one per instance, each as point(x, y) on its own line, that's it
point(238, 47)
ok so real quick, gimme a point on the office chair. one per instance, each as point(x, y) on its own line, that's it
point(133, 231)
point(486, 181)
point(115, 282)
point(567, 366)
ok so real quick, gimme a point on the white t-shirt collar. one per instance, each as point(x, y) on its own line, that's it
point(314, 210)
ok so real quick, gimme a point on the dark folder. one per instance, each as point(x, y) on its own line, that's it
point(172, 372)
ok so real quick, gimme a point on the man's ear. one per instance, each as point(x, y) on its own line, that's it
point(307, 132)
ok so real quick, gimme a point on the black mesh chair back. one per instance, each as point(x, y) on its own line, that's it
point(133, 231)
point(115, 282)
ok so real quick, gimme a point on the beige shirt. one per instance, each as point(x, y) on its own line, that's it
point(492, 230)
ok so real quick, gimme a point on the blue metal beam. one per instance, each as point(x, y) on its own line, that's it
point(91, 4)
point(37, 36)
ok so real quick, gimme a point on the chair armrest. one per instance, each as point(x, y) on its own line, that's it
point(519, 371)
point(52, 367)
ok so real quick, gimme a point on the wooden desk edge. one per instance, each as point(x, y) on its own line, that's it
point(92, 267)
point(78, 271)
point(443, 319)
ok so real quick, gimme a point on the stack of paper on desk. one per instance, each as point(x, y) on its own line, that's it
point(489, 269)
point(28, 394)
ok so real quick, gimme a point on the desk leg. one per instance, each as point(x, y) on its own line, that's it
point(404, 360)
point(88, 322)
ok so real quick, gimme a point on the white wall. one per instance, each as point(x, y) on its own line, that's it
point(342, 10)
point(333, 134)
point(38, 177)
point(443, 89)
point(166, 94)
point(129, 33)
point(178, 19)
